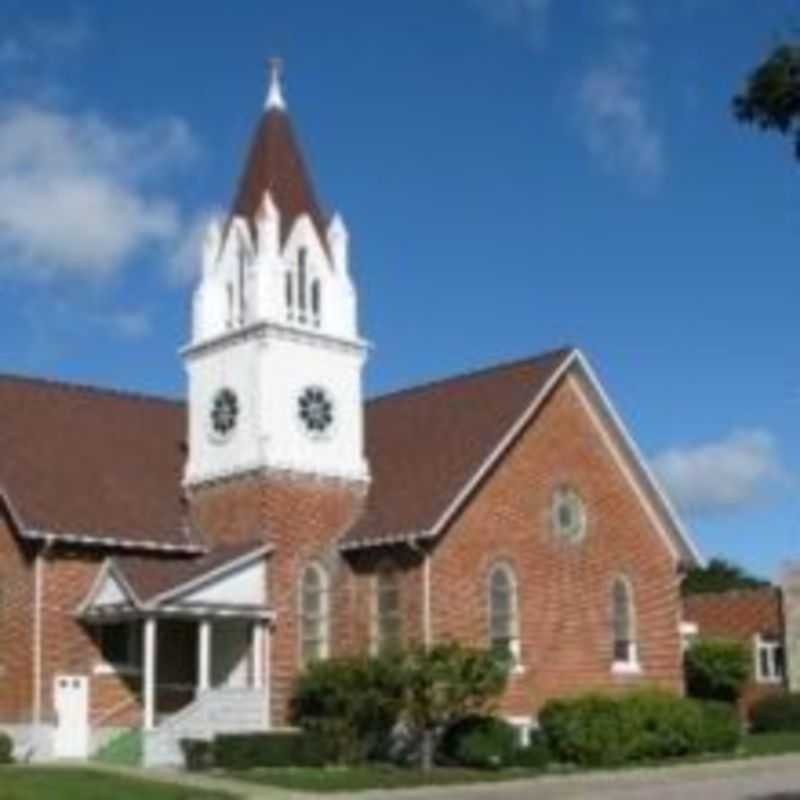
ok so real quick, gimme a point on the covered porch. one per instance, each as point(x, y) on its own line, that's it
point(207, 631)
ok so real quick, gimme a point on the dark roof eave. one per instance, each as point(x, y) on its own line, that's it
point(411, 539)
point(111, 542)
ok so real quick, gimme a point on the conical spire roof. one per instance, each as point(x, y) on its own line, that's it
point(275, 163)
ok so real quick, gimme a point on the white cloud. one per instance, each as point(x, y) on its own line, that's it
point(528, 17)
point(615, 119)
point(726, 475)
point(134, 324)
point(74, 190)
point(39, 39)
point(185, 263)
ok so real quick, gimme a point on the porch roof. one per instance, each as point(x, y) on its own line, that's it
point(229, 580)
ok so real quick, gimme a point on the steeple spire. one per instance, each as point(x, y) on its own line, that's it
point(275, 93)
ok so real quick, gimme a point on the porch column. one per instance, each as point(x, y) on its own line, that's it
point(149, 673)
point(204, 655)
point(258, 654)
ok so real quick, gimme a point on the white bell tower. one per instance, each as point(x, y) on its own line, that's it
point(275, 359)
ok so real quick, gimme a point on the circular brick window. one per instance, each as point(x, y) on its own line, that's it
point(568, 514)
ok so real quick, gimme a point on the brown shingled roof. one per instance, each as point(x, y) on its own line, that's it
point(424, 444)
point(87, 462)
point(149, 576)
point(275, 163)
point(737, 614)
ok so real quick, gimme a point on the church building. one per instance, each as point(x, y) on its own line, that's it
point(168, 568)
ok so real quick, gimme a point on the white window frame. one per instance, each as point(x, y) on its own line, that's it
point(769, 645)
point(514, 646)
point(323, 614)
point(631, 665)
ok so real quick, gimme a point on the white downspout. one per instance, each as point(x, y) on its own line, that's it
point(427, 632)
point(38, 593)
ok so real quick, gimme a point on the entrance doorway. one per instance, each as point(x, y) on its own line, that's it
point(71, 702)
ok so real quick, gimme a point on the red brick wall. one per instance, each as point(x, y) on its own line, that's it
point(67, 646)
point(304, 518)
point(564, 589)
point(16, 625)
point(740, 615)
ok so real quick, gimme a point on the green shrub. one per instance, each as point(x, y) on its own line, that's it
point(647, 725)
point(479, 742)
point(661, 724)
point(352, 703)
point(590, 730)
point(6, 749)
point(198, 754)
point(778, 712)
point(277, 749)
point(722, 730)
point(534, 755)
point(717, 669)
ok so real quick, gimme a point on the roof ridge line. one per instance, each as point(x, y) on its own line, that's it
point(78, 386)
point(473, 373)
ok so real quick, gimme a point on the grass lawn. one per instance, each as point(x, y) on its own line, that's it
point(354, 779)
point(770, 744)
point(33, 783)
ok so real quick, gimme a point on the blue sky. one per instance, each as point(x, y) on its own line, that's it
point(516, 174)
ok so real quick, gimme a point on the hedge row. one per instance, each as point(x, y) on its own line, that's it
point(6, 749)
point(780, 712)
point(276, 749)
point(247, 750)
point(599, 730)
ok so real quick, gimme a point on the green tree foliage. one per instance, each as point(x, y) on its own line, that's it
point(771, 96)
point(719, 575)
point(444, 684)
point(717, 669)
point(355, 703)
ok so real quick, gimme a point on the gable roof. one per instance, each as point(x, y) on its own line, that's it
point(431, 446)
point(153, 578)
point(104, 468)
point(139, 582)
point(275, 163)
point(93, 465)
point(425, 444)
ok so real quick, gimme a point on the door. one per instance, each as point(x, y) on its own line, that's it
point(71, 702)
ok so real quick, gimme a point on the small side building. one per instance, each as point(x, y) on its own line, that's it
point(752, 616)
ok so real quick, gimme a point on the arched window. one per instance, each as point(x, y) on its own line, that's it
point(289, 289)
point(387, 628)
point(301, 282)
point(503, 618)
point(314, 614)
point(242, 288)
point(623, 624)
point(316, 299)
point(229, 309)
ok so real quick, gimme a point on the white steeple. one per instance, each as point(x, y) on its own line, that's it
point(275, 359)
point(275, 93)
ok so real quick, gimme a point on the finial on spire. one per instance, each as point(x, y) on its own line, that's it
point(275, 94)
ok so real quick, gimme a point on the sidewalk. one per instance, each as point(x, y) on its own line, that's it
point(767, 778)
